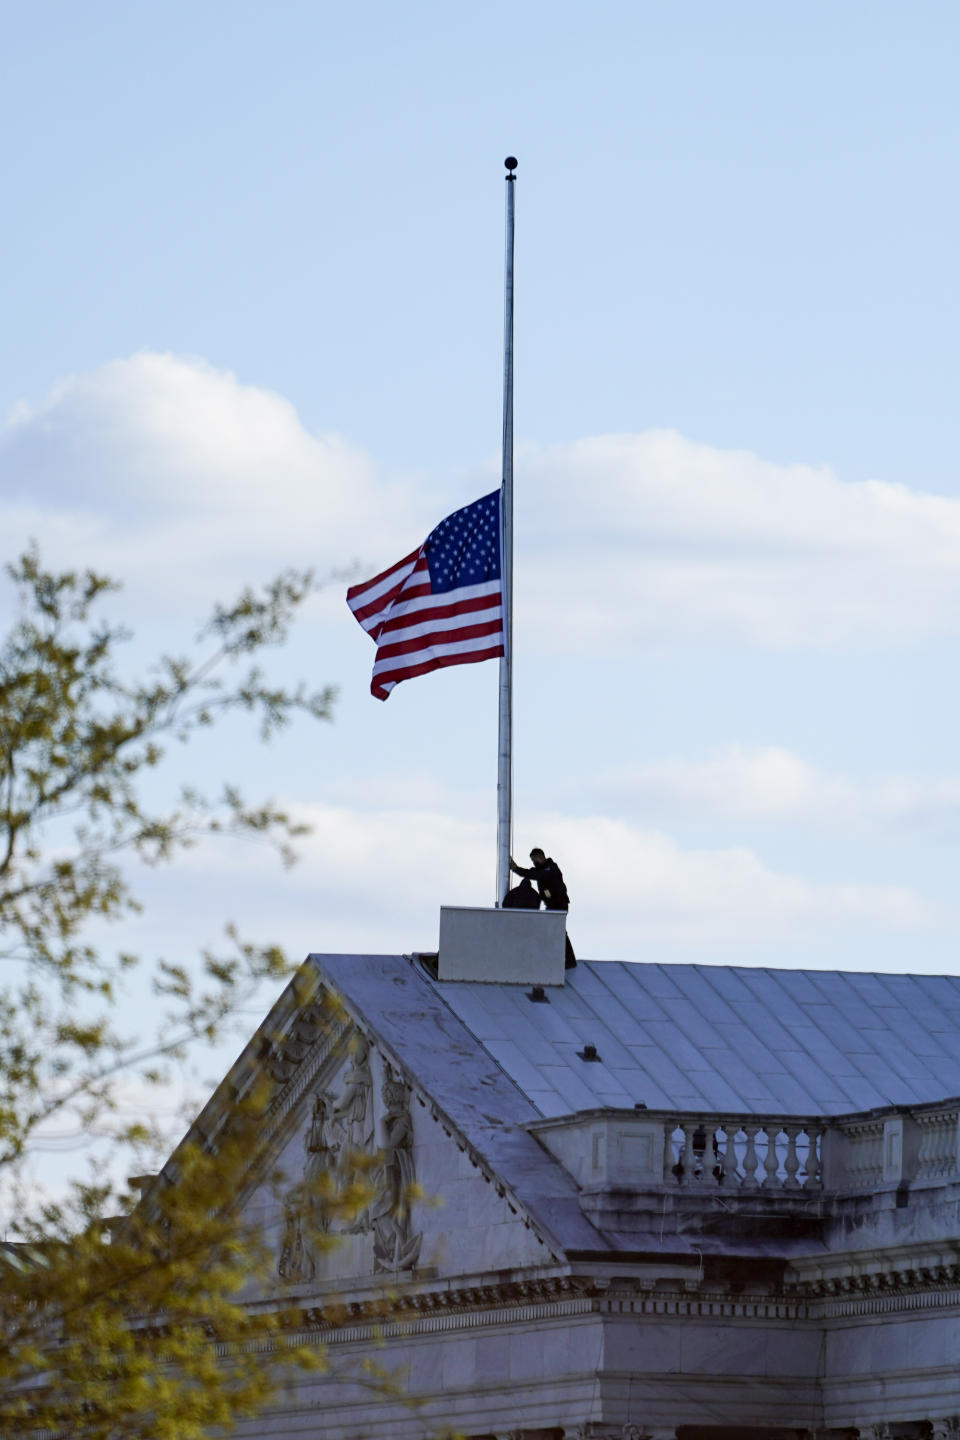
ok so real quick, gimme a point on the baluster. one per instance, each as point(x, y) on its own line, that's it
point(750, 1158)
point(928, 1157)
point(877, 1174)
point(685, 1156)
point(669, 1158)
point(725, 1161)
point(921, 1161)
point(934, 1152)
point(792, 1163)
point(949, 1147)
point(804, 1158)
point(933, 1157)
point(814, 1180)
point(735, 1154)
point(703, 1141)
point(690, 1176)
point(771, 1161)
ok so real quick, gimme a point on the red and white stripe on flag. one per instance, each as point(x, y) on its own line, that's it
point(420, 624)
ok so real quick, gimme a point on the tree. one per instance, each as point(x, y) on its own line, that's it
point(109, 1303)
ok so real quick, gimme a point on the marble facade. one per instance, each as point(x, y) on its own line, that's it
point(606, 1275)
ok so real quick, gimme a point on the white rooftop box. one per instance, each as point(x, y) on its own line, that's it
point(502, 947)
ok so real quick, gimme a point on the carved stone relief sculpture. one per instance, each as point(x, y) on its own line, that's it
point(283, 1056)
point(351, 1123)
point(305, 1214)
point(295, 1262)
point(338, 1128)
point(352, 1115)
point(343, 1127)
point(395, 1246)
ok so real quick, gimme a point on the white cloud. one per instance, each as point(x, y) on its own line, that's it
point(772, 783)
point(374, 880)
point(645, 537)
point(667, 893)
point(183, 481)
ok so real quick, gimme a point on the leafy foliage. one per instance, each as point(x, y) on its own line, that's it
point(121, 1314)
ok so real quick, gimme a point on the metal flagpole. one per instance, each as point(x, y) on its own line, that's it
point(505, 746)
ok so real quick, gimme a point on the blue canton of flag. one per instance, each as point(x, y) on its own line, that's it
point(464, 549)
point(440, 605)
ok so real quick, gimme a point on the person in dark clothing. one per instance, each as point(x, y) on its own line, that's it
point(548, 877)
point(522, 897)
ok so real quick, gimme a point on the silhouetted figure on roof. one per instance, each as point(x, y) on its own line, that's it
point(522, 897)
point(548, 878)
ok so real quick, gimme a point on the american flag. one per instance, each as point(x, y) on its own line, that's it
point(439, 605)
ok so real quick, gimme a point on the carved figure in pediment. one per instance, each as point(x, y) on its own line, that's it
point(296, 1261)
point(305, 1214)
point(340, 1145)
point(352, 1115)
point(395, 1246)
point(317, 1141)
point(279, 1065)
point(351, 1124)
point(321, 1164)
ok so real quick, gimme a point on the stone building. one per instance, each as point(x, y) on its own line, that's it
point(697, 1202)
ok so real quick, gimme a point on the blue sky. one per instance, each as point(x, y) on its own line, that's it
point(738, 220)
point(251, 289)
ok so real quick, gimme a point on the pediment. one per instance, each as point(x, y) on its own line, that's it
point(361, 1176)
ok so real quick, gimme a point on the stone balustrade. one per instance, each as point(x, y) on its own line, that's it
point(743, 1153)
point(919, 1146)
point(767, 1155)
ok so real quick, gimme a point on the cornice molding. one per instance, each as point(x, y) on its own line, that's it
point(946, 1298)
point(878, 1281)
point(904, 1270)
point(517, 1302)
point(406, 1326)
point(468, 1300)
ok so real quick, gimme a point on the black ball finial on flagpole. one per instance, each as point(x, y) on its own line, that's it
point(511, 163)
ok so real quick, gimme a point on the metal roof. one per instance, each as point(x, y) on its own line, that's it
point(688, 1038)
point(416, 1029)
point(716, 1037)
